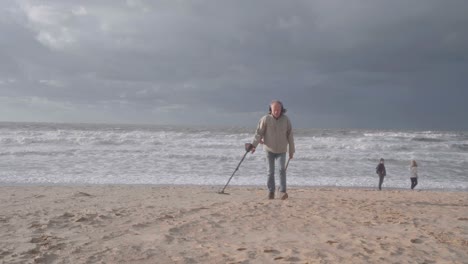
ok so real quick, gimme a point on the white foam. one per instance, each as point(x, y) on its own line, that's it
point(94, 154)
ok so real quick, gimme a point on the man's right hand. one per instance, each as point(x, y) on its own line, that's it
point(249, 147)
point(252, 149)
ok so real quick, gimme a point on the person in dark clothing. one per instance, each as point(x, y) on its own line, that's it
point(414, 174)
point(380, 170)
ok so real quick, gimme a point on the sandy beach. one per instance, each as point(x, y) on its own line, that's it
point(191, 224)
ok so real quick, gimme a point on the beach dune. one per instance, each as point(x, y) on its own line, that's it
point(192, 224)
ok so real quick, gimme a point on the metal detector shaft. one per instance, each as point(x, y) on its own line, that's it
point(238, 165)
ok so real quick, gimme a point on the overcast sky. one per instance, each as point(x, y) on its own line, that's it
point(334, 63)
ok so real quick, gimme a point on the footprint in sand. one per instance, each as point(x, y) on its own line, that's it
point(119, 212)
point(67, 215)
point(416, 241)
point(46, 258)
point(416, 222)
point(82, 194)
point(368, 250)
point(269, 250)
point(165, 217)
point(293, 259)
point(140, 226)
point(168, 238)
point(86, 218)
point(4, 253)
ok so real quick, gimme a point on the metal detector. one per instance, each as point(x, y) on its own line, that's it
point(248, 147)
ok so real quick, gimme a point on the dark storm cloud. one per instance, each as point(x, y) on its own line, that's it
point(390, 64)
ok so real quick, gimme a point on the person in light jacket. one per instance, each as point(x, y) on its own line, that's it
point(413, 174)
point(380, 170)
point(275, 132)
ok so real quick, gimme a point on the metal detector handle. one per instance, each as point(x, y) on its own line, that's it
point(248, 147)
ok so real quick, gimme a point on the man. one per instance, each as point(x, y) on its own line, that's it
point(274, 131)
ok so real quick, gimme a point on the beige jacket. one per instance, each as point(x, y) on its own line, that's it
point(276, 134)
point(414, 172)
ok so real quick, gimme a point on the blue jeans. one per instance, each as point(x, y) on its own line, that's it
point(271, 157)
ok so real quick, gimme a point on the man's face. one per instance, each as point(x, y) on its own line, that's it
point(276, 110)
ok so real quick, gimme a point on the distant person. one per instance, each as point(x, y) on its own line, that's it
point(413, 174)
point(380, 170)
point(274, 131)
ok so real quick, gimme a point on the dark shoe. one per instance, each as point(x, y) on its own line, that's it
point(284, 196)
point(271, 195)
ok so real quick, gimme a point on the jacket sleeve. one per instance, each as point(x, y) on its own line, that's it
point(292, 146)
point(260, 132)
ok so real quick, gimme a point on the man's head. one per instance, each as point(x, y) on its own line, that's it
point(382, 160)
point(277, 109)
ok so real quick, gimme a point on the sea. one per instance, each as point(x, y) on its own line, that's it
point(94, 154)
